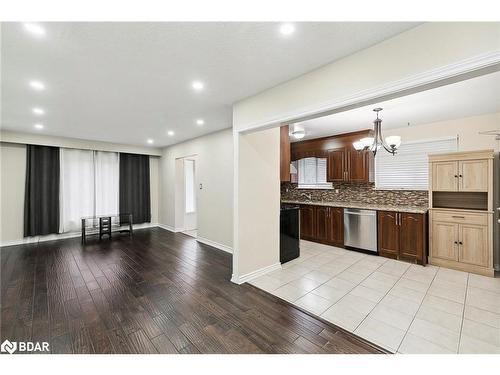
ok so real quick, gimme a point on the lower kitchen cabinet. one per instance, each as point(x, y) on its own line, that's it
point(402, 235)
point(322, 224)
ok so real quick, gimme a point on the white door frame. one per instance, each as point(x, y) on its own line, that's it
point(179, 204)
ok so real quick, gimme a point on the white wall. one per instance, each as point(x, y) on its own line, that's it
point(12, 185)
point(419, 50)
point(258, 204)
point(467, 130)
point(214, 170)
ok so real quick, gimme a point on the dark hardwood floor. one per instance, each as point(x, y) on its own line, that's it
point(157, 292)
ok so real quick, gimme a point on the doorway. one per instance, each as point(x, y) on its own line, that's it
point(186, 196)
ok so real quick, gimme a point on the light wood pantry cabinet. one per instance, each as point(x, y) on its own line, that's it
point(461, 211)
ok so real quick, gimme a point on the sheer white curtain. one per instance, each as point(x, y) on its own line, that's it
point(89, 186)
point(76, 189)
point(107, 175)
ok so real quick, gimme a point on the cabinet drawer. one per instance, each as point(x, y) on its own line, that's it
point(460, 217)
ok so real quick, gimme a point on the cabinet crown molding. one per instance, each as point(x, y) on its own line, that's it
point(462, 155)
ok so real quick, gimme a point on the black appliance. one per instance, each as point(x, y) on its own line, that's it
point(289, 233)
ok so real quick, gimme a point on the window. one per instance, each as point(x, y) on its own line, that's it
point(189, 185)
point(408, 169)
point(312, 173)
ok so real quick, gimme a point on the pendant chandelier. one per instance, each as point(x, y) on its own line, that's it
point(390, 144)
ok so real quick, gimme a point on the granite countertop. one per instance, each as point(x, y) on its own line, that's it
point(377, 207)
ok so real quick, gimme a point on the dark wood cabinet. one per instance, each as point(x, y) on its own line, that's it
point(337, 165)
point(357, 166)
point(322, 224)
point(285, 154)
point(307, 222)
point(402, 235)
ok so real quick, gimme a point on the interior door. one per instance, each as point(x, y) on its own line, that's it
point(473, 244)
point(444, 240)
point(336, 164)
point(473, 175)
point(445, 176)
point(388, 234)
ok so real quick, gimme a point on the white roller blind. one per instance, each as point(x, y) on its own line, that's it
point(409, 168)
point(312, 173)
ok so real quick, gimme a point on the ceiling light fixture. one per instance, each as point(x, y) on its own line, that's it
point(34, 28)
point(287, 29)
point(150, 141)
point(170, 133)
point(37, 85)
point(298, 131)
point(198, 85)
point(200, 122)
point(390, 144)
point(38, 111)
point(38, 126)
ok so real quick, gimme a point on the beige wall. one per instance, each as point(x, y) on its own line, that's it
point(12, 180)
point(467, 130)
point(258, 203)
point(419, 50)
point(214, 170)
point(12, 183)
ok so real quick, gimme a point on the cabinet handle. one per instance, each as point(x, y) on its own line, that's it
point(456, 176)
point(460, 243)
point(458, 217)
point(460, 176)
point(456, 242)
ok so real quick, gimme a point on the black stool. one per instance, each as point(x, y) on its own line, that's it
point(104, 227)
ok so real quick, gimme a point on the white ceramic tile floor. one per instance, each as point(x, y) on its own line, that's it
point(401, 307)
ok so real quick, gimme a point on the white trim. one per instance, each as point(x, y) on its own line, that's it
point(61, 236)
point(168, 227)
point(217, 245)
point(423, 81)
point(255, 274)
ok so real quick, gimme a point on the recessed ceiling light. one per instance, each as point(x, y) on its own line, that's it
point(200, 121)
point(150, 141)
point(34, 28)
point(37, 85)
point(198, 85)
point(38, 126)
point(287, 29)
point(38, 111)
point(170, 133)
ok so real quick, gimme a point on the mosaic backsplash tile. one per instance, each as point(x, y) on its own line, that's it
point(357, 193)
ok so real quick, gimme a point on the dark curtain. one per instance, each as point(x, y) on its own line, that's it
point(41, 200)
point(134, 187)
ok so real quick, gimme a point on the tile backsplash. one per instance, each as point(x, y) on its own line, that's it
point(358, 193)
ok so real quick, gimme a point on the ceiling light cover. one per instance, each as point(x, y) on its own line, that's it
point(198, 85)
point(37, 85)
point(170, 133)
point(150, 141)
point(287, 29)
point(299, 134)
point(200, 122)
point(34, 29)
point(39, 126)
point(38, 111)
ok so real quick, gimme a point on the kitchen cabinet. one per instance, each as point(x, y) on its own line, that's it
point(337, 162)
point(402, 235)
point(357, 166)
point(461, 195)
point(285, 154)
point(322, 224)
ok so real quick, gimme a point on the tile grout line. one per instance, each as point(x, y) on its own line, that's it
point(419, 307)
point(463, 313)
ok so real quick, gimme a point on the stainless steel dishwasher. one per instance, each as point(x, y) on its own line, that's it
point(360, 229)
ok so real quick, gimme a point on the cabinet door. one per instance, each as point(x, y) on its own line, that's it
point(473, 175)
point(388, 234)
point(307, 222)
point(285, 156)
point(337, 226)
point(412, 237)
point(473, 244)
point(336, 164)
point(357, 166)
point(445, 176)
point(444, 240)
point(322, 224)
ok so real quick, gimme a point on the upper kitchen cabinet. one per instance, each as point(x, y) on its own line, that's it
point(344, 163)
point(285, 155)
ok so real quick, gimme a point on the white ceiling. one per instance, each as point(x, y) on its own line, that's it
point(127, 82)
point(472, 97)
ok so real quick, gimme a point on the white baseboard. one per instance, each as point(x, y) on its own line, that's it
point(255, 274)
point(217, 245)
point(61, 236)
point(169, 228)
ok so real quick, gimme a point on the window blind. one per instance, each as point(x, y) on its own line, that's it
point(409, 168)
point(312, 173)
